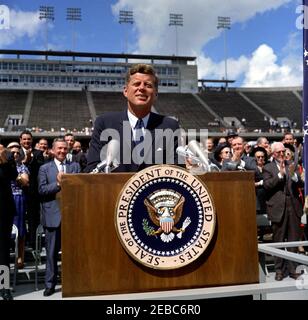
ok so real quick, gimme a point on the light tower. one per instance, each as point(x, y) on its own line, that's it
point(126, 16)
point(47, 13)
point(225, 23)
point(176, 19)
point(73, 15)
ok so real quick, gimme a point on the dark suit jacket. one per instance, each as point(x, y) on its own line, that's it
point(33, 165)
point(276, 191)
point(48, 189)
point(163, 148)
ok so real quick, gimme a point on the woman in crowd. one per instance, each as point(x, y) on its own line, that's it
point(222, 153)
point(20, 200)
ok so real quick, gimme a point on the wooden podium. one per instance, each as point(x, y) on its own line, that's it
point(94, 262)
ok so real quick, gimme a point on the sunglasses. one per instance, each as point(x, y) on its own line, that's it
point(260, 157)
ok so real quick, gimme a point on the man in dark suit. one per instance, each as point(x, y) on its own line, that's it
point(239, 160)
point(33, 159)
point(8, 173)
point(146, 138)
point(284, 207)
point(49, 181)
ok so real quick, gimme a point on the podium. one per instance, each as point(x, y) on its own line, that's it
point(95, 263)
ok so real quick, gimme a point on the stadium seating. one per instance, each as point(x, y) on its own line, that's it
point(190, 113)
point(231, 104)
point(70, 109)
point(108, 101)
point(11, 102)
point(278, 104)
point(59, 109)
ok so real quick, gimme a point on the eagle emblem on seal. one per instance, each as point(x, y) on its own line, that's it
point(165, 208)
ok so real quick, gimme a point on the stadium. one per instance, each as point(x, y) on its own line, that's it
point(54, 92)
point(41, 90)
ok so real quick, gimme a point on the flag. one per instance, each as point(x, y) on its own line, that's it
point(305, 98)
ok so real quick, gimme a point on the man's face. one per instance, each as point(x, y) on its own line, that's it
point(70, 141)
point(279, 152)
point(237, 145)
point(289, 139)
point(140, 92)
point(43, 145)
point(26, 141)
point(77, 146)
point(60, 150)
point(264, 144)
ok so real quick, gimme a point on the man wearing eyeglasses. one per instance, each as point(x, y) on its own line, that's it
point(281, 181)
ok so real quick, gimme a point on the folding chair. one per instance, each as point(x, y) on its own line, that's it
point(14, 236)
point(38, 251)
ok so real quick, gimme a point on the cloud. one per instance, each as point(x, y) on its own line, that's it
point(211, 70)
point(264, 71)
point(22, 24)
point(260, 69)
point(155, 36)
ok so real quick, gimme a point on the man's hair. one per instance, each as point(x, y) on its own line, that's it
point(142, 68)
point(59, 139)
point(69, 134)
point(288, 134)
point(25, 132)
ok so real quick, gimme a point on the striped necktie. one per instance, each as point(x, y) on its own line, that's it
point(139, 135)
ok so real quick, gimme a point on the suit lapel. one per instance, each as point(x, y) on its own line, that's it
point(152, 125)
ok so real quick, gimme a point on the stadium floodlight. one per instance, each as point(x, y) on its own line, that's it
point(225, 23)
point(176, 19)
point(73, 15)
point(126, 16)
point(47, 13)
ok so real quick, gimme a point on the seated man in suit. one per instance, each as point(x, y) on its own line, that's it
point(145, 138)
point(49, 185)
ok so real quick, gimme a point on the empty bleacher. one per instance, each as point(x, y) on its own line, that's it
point(231, 104)
point(108, 101)
point(190, 113)
point(11, 102)
point(59, 109)
point(278, 104)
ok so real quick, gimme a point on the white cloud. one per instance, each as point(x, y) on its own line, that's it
point(211, 70)
point(155, 36)
point(264, 71)
point(22, 24)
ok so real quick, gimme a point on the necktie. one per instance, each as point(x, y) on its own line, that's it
point(139, 135)
point(62, 167)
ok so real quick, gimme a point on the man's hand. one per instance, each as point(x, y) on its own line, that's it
point(292, 169)
point(59, 178)
point(282, 168)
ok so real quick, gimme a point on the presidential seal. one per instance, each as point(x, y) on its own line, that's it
point(165, 217)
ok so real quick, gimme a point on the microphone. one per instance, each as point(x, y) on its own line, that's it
point(194, 147)
point(194, 155)
point(233, 166)
point(111, 162)
point(186, 153)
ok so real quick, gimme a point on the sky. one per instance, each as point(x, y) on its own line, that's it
point(263, 45)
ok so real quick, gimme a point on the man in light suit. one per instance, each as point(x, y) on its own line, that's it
point(136, 127)
point(49, 184)
point(284, 208)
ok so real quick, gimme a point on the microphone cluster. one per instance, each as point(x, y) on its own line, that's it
point(197, 156)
